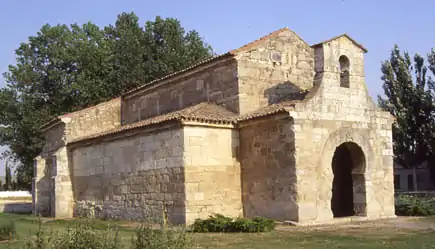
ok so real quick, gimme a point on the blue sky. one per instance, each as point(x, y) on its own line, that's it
point(228, 24)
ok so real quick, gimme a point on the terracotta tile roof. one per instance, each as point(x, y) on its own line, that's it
point(203, 112)
point(216, 58)
point(339, 36)
point(269, 110)
point(208, 112)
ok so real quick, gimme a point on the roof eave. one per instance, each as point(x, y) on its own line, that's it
point(50, 124)
point(176, 119)
point(115, 133)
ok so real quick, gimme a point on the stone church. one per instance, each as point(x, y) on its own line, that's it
point(277, 128)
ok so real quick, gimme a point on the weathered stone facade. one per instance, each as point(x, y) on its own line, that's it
point(52, 182)
point(202, 84)
point(276, 128)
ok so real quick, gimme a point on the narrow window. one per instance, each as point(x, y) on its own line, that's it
point(344, 71)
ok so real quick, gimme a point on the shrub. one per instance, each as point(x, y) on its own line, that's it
point(80, 235)
point(7, 231)
point(148, 238)
point(216, 223)
point(408, 205)
point(86, 234)
point(220, 223)
point(255, 225)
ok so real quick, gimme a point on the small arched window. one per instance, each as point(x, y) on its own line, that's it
point(344, 71)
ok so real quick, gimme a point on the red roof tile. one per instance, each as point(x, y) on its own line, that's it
point(203, 112)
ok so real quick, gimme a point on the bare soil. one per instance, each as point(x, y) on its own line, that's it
point(399, 223)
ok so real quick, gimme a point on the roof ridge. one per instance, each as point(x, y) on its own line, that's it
point(230, 53)
point(339, 36)
point(191, 109)
point(257, 41)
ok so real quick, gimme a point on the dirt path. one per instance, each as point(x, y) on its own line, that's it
point(400, 223)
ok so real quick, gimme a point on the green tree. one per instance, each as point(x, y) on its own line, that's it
point(65, 68)
point(431, 130)
point(171, 48)
point(409, 98)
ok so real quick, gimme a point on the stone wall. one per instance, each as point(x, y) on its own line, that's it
point(403, 179)
point(214, 83)
point(16, 207)
point(281, 66)
point(268, 169)
point(335, 115)
point(212, 172)
point(126, 177)
point(95, 119)
point(15, 202)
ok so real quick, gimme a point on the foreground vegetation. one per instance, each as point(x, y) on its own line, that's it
point(415, 205)
point(221, 224)
point(118, 234)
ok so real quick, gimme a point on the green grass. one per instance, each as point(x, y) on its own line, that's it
point(361, 238)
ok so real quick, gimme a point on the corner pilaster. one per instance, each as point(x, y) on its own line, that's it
point(40, 187)
point(63, 192)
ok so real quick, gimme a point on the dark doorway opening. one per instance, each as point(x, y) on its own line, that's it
point(348, 184)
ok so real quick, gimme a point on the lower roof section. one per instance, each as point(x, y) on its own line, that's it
point(200, 114)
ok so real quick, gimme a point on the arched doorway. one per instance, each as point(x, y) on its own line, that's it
point(348, 184)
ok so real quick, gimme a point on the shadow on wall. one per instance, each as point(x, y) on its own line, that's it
point(44, 188)
point(284, 91)
point(269, 169)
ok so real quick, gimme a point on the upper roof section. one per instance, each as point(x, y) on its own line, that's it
point(338, 37)
point(228, 54)
point(234, 52)
point(104, 110)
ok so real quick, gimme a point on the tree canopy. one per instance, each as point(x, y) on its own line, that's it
point(409, 96)
point(65, 68)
